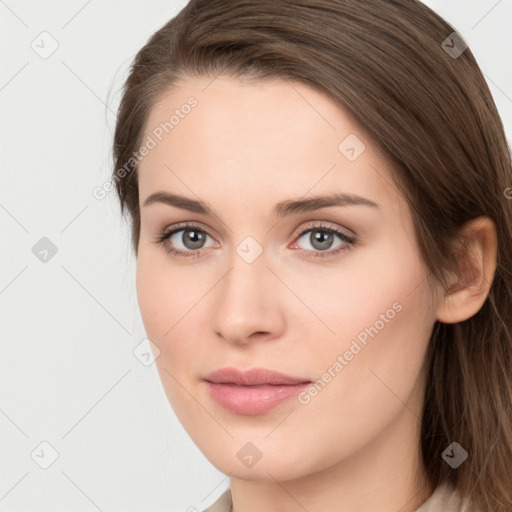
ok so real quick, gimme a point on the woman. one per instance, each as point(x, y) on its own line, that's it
point(319, 193)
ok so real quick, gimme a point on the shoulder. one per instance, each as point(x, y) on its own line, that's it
point(223, 504)
point(449, 499)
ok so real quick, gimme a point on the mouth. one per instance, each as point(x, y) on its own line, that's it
point(252, 392)
point(253, 377)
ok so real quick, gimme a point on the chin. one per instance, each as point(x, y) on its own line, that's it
point(270, 467)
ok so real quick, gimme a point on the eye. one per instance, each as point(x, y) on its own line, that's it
point(192, 239)
point(189, 236)
point(321, 238)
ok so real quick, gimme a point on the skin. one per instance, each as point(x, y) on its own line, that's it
point(247, 146)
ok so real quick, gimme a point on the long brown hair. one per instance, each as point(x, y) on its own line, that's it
point(429, 109)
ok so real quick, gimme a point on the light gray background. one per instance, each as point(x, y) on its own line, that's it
point(68, 326)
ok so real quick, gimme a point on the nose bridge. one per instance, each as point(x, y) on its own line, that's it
point(245, 283)
point(245, 301)
point(248, 267)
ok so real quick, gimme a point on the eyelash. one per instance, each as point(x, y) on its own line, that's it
point(350, 240)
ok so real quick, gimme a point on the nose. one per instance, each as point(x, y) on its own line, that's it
point(248, 303)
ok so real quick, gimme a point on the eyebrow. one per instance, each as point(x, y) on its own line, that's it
point(282, 209)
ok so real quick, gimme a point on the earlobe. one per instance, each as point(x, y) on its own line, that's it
point(469, 290)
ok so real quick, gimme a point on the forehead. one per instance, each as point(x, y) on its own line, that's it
point(273, 110)
point(268, 138)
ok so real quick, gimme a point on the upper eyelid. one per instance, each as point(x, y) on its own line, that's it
point(186, 225)
point(322, 224)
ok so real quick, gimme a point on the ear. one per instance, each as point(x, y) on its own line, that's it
point(469, 289)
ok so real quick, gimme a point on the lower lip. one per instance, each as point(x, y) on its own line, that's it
point(252, 400)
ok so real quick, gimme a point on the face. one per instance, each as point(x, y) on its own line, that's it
point(333, 293)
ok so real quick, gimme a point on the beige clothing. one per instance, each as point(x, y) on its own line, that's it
point(444, 498)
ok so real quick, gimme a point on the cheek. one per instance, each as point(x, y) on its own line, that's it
point(158, 297)
point(386, 368)
point(163, 309)
point(368, 289)
point(382, 320)
point(148, 296)
point(381, 377)
point(170, 303)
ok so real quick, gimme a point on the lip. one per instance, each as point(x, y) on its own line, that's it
point(252, 377)
point(254, 391)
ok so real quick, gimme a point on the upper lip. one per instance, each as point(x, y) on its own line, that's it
point(252, 377)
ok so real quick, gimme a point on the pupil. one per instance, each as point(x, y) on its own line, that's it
point(321, 239)
point(195, 239)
